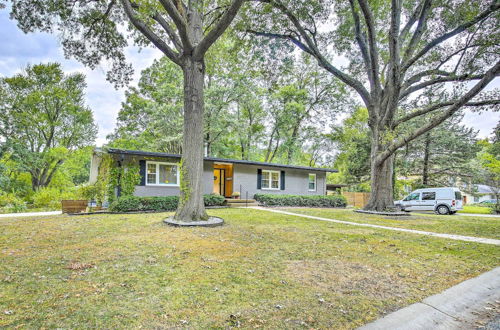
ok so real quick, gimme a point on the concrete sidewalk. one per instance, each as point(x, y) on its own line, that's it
point(458, 307)
point(478, 215)
point(411, 231)
point(29, 214)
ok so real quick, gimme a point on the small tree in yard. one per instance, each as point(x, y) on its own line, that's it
point(396, 51)
point(183, 31)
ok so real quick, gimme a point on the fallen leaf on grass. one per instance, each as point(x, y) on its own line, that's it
point(79, 266)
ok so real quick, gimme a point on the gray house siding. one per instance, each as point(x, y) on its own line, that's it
point(244, 177)
point(159, 191)
point(296, 181)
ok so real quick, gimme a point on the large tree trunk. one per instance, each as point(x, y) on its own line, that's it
point(425, 170)
point(191, 205)
point(381, 197)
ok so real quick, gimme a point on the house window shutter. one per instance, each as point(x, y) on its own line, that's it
point(282, 179)
point(259, 178)
point(142, 172)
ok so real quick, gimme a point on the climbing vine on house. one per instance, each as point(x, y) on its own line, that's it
point(130, 177)
point(111, 176)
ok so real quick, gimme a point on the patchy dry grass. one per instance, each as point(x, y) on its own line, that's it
point(461, 225)
point(259, 270)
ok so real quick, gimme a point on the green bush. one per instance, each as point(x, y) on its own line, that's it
point(214, 200)
point(167, 203)
point(9, 199)
point(299, 200)
point(88, 191)
point(9, 203)
point(16, 207)
point(50, 197)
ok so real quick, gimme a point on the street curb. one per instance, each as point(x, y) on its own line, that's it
point(453, 308)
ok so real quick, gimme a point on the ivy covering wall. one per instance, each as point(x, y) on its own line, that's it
point(112, 176)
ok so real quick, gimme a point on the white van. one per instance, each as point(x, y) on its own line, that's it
point(446, 200)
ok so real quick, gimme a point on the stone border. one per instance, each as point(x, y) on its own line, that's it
point(454, 308)
point(211, 222)
point(391, 214)
point(139, 212)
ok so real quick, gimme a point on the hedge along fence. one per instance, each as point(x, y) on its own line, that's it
point(301, 200)
point(298, 200)
point(168, 203)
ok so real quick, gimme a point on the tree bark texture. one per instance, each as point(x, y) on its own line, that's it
point(381, 197)
point(427, 151)
point(191, 205)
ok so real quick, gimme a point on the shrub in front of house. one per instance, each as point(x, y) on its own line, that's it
point(214, 200)
point(298, 200)
point(167, 203)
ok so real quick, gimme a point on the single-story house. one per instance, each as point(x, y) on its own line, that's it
point(159, 175)
point(480, 193)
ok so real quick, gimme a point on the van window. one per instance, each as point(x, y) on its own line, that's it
point(458, 195)
point(428, 196)
point(412, 197)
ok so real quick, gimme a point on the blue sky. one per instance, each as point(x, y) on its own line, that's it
point(19, 49)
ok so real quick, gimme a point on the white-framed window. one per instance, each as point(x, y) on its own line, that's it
point(162, 174)
point(270, 180)
point(312, 182)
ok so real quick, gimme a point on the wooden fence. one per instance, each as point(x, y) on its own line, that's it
point(357, 199)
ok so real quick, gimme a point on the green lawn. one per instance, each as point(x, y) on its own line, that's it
point(450, 224)
point(259, 270)
point(476, 209)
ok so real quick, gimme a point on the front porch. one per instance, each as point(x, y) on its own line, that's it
point(232, 202)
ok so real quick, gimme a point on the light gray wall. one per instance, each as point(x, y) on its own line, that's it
point(95, 161)
point(296, 181)
point(158, 191)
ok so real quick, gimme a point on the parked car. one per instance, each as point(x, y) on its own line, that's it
point(447, 200)
point(488, 202)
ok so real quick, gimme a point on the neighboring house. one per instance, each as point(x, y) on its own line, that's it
point(481, 192)
point(159, 174)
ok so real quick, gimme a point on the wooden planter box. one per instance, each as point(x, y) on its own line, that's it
point(74, 206)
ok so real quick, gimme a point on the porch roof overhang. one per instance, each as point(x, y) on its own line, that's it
point(212, 159)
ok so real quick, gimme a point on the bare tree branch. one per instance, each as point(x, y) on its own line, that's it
point(372, 46)
point(360, 37)
point(457, 105)
point(180, 23)
point(412, 89)
point(170, 32)
point(412, 20)
point(495, 5)
point(218, 30)
point(416, 78)
point(148, 33)
point(417, 35)
point(294, 40)
point(438, 106)
point(322, 61)
point(393, 84)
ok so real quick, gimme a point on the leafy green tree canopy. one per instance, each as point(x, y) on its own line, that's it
point(43, 117)
point(394, 51)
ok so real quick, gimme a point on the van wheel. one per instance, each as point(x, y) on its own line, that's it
point(442, 209)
